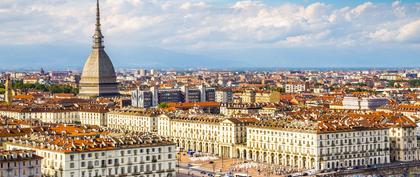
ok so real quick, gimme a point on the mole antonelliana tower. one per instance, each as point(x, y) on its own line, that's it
point(98, 77)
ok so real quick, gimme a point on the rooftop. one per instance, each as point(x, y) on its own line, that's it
point(72, 139)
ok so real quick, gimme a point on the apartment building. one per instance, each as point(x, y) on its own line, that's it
point(198, 94)
point(22, 163)
point(79, 152)
point(248, 96)
point(44, 113)
point(295, 87)
point(363, 103)
point(133, 119)
point(141, 99)
point(267, 97)
point(229, 109)
point(315, 146)
point(305, 140)
point(204, 133)
point(224, 96)
point(403, 138)
point(154, 96)
point(91, 114)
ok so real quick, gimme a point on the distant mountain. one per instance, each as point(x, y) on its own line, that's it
point(161, 58)
point(73, 57)
point(62, 57)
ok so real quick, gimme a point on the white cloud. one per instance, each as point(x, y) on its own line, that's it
point(246, 5)
point(383, 35)
point(201, 24)
point(191, 5)
point(360, 9)
point(410, 32)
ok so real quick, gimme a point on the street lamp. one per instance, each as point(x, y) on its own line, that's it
point(214, 166)
point(178, 159)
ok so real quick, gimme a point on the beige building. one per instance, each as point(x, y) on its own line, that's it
point(93, 116)
point(300, 140)
point(267, 97)
point(87, 115)
point(403, 140)
point(204, 133)
point(314, 146)
point(88, 152)
point(133, 119)
point(248, 96)
point(230, 109)
point(22, 163)
point(295, 87)
point(46, 114)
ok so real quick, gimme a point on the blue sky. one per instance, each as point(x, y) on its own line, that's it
point(212, 33)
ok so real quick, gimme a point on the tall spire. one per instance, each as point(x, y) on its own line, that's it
point(98, 37)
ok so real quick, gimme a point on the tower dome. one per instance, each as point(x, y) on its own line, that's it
point(98, 76)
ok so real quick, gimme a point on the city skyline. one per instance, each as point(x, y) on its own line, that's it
point(213, 34)
point(209, 88)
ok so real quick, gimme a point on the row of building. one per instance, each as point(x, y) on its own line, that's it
point(301, 138)
point(155, 96)
point(306, 139)
point(333, 140)
point(82, 151)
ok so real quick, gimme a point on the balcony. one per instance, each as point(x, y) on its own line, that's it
point(90, 167)
point(117, 164)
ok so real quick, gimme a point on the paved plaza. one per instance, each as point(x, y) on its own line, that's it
point(213, 165)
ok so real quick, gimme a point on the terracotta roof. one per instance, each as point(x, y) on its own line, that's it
point(194, 104)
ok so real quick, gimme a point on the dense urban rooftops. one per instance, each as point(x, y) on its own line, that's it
point(80, 139)
point(18, 155)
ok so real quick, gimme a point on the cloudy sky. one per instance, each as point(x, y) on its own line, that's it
point(213, 33)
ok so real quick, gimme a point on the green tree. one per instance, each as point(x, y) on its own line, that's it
point(54, 88)
point(414, 82)
point(163, 105)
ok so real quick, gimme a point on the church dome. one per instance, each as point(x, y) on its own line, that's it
point(98, 75)
point(98, 68)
